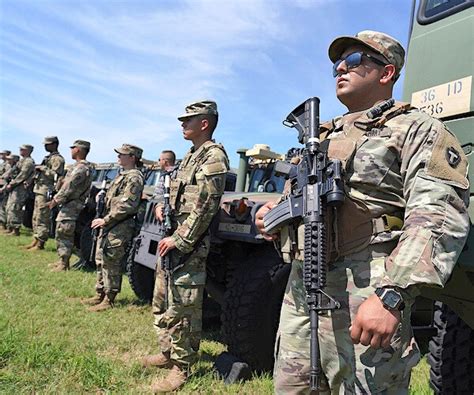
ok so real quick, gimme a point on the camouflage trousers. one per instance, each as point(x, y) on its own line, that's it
point(347, 368)
point(111, 249)
point(41, 218)
point(3, 206)
point(179, 325)
point(14, 207)
point(65, 230)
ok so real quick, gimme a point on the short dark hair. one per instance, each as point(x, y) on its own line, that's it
point(212, 119)
point(172, 155)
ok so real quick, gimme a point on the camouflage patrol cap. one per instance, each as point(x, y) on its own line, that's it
point(129, 149)
point(203, 107)
point(381, 43)
point(13, 157)
point(29, 147)
point(50, 140)
point(81, 144)
point(5, 152)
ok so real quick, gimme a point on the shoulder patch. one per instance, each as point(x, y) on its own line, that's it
point(214, 168)
point(448, 161)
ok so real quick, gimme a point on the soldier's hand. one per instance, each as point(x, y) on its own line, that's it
point(259, 220)
point(166, 245)
point(97, 223)
point(8, 187)
point(159, 212)
point(373, 324)
point(53, 203)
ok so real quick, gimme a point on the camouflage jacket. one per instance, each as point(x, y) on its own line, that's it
point(4, 173)
point(76, 185)
point(195, 193)
point(26, 169)
point(52, 167)
point(408, 164)
point(123, 197)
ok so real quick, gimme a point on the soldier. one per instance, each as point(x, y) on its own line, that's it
point(195, 197)
point(17, 189)
point(4, 167)
point(47, 174)
point(399, 165)
point(71, 198)
point(117, 227)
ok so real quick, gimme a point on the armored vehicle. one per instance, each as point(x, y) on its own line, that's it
point(438, 80)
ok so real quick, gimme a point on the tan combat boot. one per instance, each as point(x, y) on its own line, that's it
point(32, 244)
point(8, 230)
point(106, 304)
point(62, 265)
point(176, 377)
point(161, 360)
point(39, 246)
point(95, 300)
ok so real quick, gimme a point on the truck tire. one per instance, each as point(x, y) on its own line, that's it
point(451, 355)
point(252, 306)
point(141, 278)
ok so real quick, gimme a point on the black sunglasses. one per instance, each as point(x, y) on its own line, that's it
point(354, 60)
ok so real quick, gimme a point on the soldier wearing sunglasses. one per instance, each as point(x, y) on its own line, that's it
point(402, 226)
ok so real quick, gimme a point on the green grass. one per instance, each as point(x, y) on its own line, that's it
point(49, 343)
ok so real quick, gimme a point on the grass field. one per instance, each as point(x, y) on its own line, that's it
point(49, 343)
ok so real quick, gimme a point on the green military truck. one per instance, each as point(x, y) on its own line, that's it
point(438, 80)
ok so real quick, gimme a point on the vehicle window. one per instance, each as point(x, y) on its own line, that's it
point(434, 10)
point(262, 181)
point(111, 174)
point(152, 177)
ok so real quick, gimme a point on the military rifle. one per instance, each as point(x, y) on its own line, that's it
point(317, 185)
point(53, 213)
point(99, 212)
point(166, 230)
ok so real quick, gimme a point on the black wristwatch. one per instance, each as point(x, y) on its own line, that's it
point(390, 298)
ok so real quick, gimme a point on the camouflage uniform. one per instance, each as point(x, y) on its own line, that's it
point(403, 224)
point(4, 177)
point(19, 192)
point(71, 199)
point(195, 197)
point(45, 183)
point(398, 165)
point(121, 204)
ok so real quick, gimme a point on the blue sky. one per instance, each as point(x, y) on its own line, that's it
point(113, 71)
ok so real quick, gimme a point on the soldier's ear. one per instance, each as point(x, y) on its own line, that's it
point(204, 124)
point(389, 72)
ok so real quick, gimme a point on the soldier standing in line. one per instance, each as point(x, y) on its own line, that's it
point(195, 197)
point(17, 189)
point(51, 168)
point(4, 167)
point(403, 225)
point(117, 227)
point(71, 198)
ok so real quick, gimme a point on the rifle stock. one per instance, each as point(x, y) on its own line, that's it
point(316, 185)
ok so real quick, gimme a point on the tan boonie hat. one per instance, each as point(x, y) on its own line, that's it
point(13, 157)
point(5, 152)
point(81, 144)
point(381, 43)
point(203, 107)
point(129, 149)
point(29, 147)
point(50, 140)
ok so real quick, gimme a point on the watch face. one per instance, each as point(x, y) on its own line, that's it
point(391, 299)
